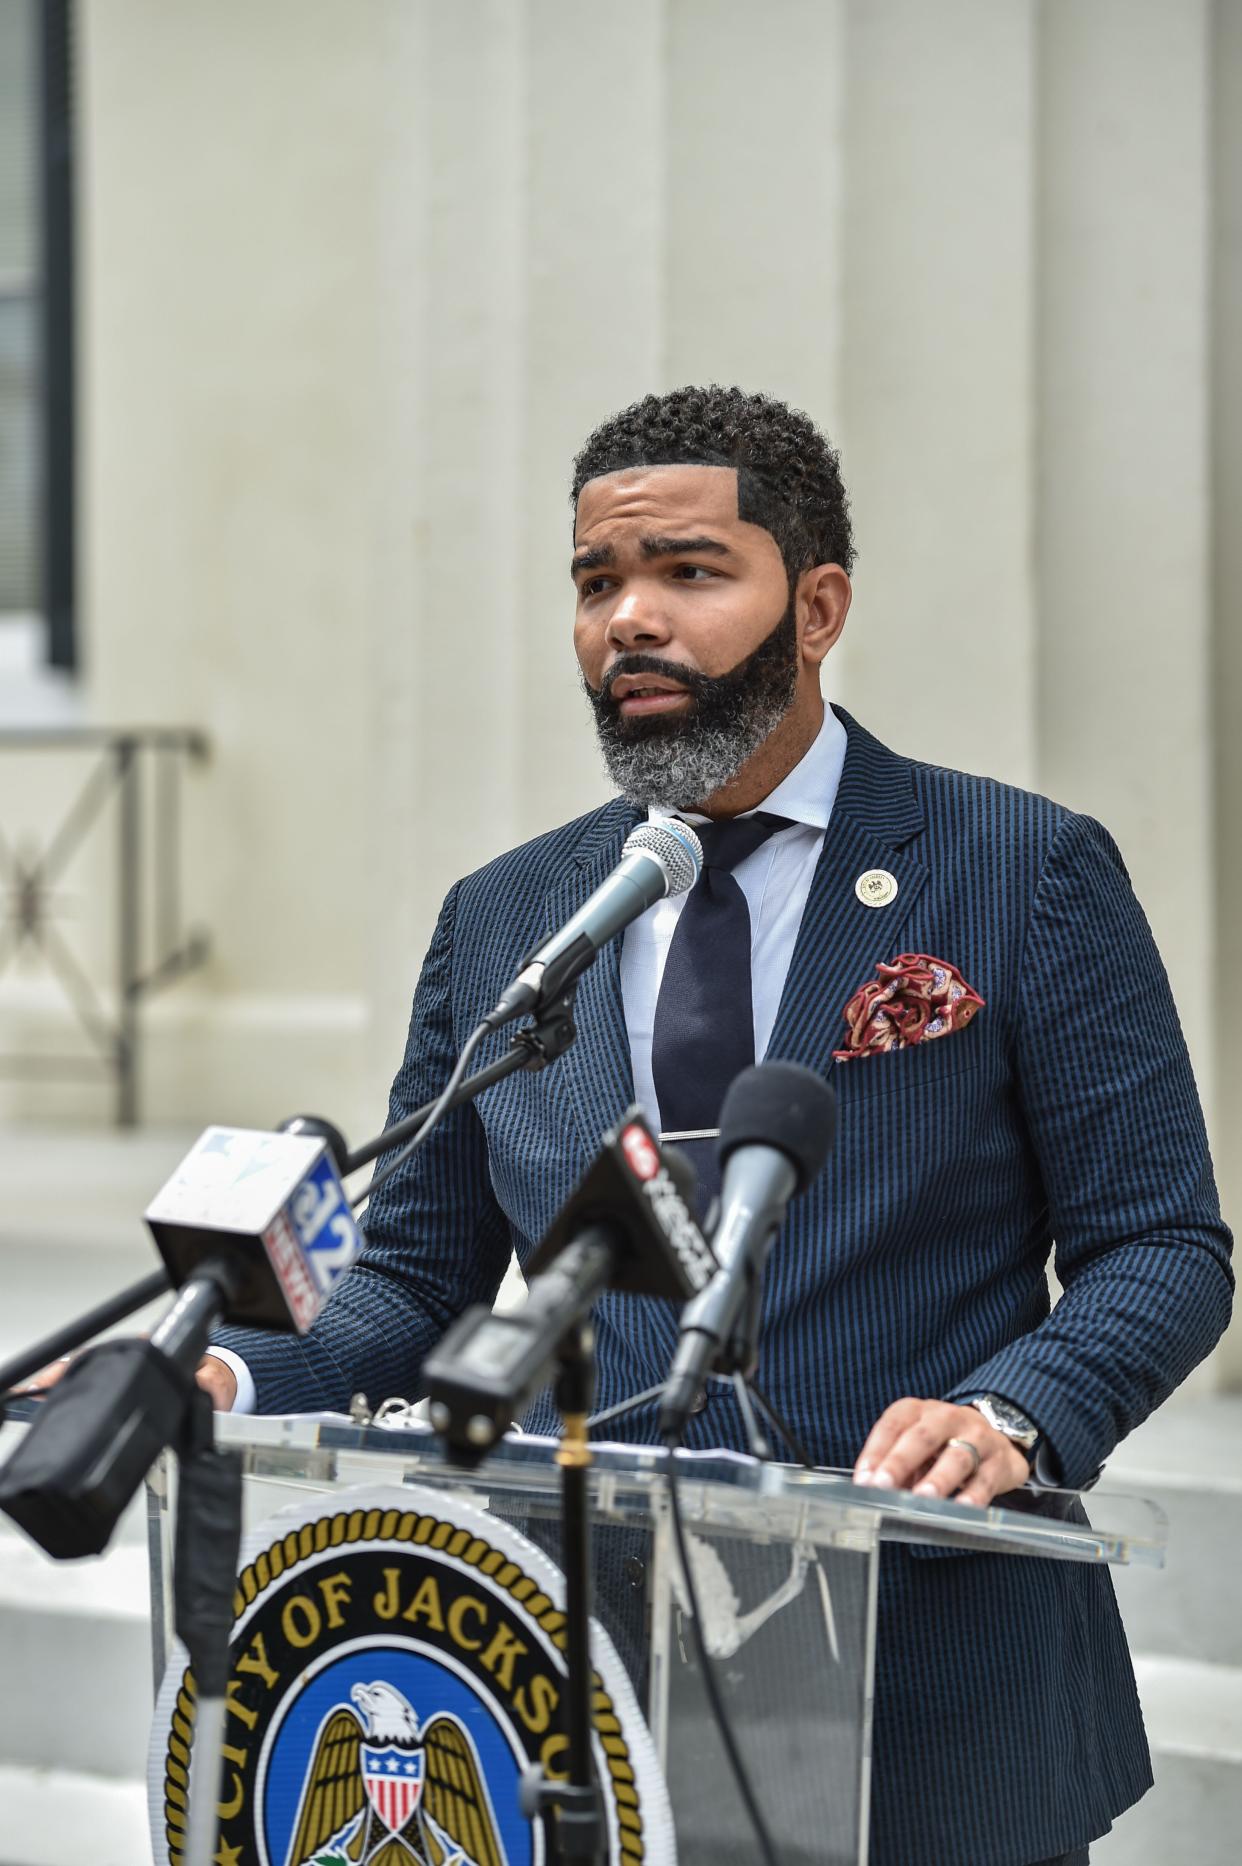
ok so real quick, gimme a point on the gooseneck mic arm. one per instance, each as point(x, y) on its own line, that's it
point(659, 858)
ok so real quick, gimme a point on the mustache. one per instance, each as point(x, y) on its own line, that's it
point(695, 683)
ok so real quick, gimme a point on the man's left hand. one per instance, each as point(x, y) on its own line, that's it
point(910, 1448)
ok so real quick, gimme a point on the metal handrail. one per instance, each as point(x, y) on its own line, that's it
point(127, 759)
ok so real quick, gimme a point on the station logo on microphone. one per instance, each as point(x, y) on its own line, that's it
point(397, 1664)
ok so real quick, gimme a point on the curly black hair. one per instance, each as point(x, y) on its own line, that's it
point(788, 476)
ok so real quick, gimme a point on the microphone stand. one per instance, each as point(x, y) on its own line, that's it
point(737, 1360)
point(754, 1398)
point(64, 1340)
point(571, 1813)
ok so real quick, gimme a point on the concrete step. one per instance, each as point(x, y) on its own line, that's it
point(1192, 1710)
point(1193, 1814)
point(1185, 1631)
point(53, 1816)
point(1188, 1459)
point(75, 1633)
point(1178, 1611)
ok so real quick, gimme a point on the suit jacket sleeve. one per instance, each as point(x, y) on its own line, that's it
point(1108, 1095)
point(436, 1240)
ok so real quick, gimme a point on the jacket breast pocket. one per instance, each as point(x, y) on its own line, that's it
point(920, 1065)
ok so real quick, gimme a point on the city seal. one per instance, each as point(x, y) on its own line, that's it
point(397, 1663)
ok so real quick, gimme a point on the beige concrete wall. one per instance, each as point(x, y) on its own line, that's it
point(358, 281)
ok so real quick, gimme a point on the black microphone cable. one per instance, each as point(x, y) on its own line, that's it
point(434, 1117)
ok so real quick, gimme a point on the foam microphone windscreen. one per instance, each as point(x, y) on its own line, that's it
point(785, 1106)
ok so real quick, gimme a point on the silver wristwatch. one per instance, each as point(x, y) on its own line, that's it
point(1003, 1416)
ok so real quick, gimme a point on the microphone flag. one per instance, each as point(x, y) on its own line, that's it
point(274, 1207)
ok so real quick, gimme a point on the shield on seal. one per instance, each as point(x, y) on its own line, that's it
point(394, 1781)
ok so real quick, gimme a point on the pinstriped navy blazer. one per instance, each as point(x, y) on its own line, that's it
point(1064, 1114)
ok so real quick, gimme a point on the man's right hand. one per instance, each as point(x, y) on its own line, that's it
point(217, 1381)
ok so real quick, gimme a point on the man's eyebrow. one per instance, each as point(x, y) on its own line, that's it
point(601, 556)
point(682, 547)
point(595, 558)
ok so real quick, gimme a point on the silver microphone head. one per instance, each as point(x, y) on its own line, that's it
point(675, 847)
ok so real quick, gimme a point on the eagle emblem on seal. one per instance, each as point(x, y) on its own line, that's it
point(383, 1791)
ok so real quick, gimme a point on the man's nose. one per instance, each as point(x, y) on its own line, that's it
point(636, 620)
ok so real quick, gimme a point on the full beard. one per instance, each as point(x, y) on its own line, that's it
point(677, 761)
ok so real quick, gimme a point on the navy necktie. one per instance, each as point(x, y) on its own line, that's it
point(704, 1028)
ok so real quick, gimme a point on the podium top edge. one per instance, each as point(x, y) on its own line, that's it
point(1109, 1526)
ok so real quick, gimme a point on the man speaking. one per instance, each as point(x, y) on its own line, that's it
point(969, 965)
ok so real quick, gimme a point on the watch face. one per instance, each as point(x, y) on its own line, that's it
point(1006, 1418)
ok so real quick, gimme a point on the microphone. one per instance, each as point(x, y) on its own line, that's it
point(253, 1227)
point(776, 1131)
point(659, 858)
point(264, 1216)
point(627, 1225)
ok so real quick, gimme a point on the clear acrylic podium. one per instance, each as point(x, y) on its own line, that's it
point(785, 1565)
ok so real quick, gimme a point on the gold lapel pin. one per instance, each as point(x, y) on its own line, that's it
point(876, 888)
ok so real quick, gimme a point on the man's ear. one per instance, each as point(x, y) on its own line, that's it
point(823, 598)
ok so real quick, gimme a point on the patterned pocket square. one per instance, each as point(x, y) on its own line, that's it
point(910, 1001)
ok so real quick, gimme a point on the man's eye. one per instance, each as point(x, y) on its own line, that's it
point(592, 586)
point(691, 573)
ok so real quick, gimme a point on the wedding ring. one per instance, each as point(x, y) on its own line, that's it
point(964, 1444)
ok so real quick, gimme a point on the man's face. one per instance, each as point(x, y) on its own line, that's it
point(685, 630)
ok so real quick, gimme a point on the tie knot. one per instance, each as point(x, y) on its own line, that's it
point(730, 841)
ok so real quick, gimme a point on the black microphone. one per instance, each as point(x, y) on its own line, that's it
point(776, 1131)
point(627, 1225)
point(658, 859)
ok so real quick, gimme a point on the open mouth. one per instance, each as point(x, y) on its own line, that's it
point(640, 694)
point(642, 700)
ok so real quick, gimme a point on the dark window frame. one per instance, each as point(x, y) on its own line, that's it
point(57, 375)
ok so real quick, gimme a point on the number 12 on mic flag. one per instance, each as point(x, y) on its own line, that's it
point(251, 1195)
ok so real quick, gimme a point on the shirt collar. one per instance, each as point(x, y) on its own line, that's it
point(805, 794)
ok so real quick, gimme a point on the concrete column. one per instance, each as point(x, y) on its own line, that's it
point(229, 157)
point(936, 291)
point(754, 259)
point(1121, 526)
point(442, 716)
point(594, 174)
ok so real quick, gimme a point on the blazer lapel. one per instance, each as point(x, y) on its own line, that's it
point(596, 1070)
point(841, 940)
